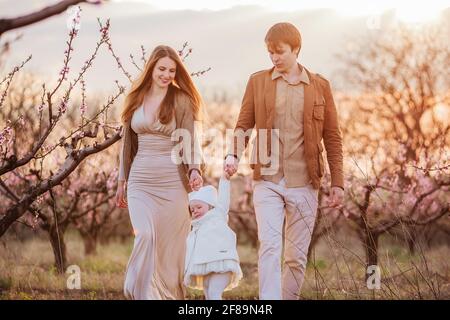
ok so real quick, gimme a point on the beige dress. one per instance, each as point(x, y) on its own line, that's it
point(158, 207)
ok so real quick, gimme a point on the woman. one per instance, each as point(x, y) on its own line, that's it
point(162, 99)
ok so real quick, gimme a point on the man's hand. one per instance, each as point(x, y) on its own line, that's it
point(195, 180)
point(230, 166)
point(336, 197)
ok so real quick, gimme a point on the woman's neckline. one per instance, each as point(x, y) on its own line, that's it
point(156, 119)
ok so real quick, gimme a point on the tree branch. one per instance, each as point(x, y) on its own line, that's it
point(22, 21)
point(72, 161)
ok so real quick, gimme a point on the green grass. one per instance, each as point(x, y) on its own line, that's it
point(336, 271)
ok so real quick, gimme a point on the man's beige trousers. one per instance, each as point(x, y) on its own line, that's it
point(273, 204)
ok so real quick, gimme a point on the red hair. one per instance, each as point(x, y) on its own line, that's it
point(182, 82)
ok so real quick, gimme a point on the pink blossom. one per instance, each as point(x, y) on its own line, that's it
point(2, 138)
point(39, 200)
point(13, 180)
point(63, 76)
point(5, 135)
point(410, 199)
point(111, 182)
point(83, 108)
point(80, 134)
point(64, 70)
point(63, 107)
point(48, 147)
point(434, 206)
point(21, 120)
point(70, 192)
point(104, 31)
point(401, 153)
point(425, 183)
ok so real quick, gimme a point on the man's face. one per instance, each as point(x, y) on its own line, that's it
point(282, 56)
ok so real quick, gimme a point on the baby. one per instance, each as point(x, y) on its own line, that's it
point(212, 261)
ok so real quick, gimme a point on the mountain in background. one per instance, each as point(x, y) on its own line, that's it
point(231, 41)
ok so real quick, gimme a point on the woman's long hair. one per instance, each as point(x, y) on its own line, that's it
point(143, 83)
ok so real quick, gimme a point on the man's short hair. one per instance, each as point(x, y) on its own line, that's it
point(283, 32)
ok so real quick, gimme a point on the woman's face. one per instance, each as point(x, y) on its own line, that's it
point(164, 72)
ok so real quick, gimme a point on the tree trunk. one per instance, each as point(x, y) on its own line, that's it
point(59, 248)
point(90, 244)
point(371, 246)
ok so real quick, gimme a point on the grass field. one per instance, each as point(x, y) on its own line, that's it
point(336, 271)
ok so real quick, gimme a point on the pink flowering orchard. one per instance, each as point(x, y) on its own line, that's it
point(72, 191)
point(56, 149)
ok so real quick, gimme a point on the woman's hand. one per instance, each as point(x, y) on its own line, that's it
point(120, 196)
point(195, 180)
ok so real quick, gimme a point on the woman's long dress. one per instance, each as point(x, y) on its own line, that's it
point(158, 207)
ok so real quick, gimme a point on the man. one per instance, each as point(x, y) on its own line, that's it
point(293, 111)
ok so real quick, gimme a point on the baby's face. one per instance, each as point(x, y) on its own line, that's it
point(198, 208)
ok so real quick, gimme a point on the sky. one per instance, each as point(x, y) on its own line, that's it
point(227, 36)
point(406, 10)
